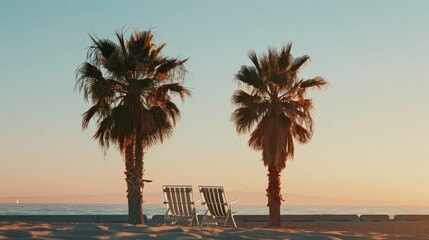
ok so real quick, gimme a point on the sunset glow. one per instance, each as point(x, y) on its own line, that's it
point(370, 141)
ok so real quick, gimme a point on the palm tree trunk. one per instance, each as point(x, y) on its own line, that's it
point(139, 170)
point(133, 187)
point(274, 196)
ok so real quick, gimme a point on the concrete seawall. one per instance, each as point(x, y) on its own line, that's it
point(240, 219)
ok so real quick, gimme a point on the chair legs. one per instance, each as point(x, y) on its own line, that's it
point(174, 221)
point(165, 216)
point(196, 218)
point(228, 216)
point(233, 221)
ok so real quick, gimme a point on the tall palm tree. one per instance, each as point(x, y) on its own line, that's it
point(272, 105)
point(130, 85)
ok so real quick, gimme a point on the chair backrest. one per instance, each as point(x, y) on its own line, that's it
point(214, 199)
point(179, 199)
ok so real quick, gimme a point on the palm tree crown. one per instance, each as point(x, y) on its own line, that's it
point(129, 85)
point(274, 99)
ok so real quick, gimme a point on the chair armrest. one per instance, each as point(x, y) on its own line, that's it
point(165, 202)
point(233, 202)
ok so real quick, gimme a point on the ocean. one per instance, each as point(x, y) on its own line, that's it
point(159, 209)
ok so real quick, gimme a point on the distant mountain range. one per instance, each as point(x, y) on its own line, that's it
point(247, 198)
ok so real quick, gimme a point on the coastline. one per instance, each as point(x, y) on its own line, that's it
point(159, 209)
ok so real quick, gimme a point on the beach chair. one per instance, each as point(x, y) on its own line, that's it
point(180, 204)
point(216, 205)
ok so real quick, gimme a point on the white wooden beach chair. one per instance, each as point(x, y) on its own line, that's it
point(216, 204)
point(180, 204)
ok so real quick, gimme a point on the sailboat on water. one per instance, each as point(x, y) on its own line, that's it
point(17, 201)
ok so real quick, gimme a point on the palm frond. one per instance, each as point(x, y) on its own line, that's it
point(101, 49)
point(140, 44)
point(175, 89)
point(169, 68)
point(249, 76)
point(121, 40)
point(241, 98)
point(86, 76)
point(285, 58)
point(141, 84)
point(246, 116)
point(298, 63)
point(302, 134)
point(122, 125)
point(254, 58)
point(88, 115)
point(257, 138)
point(118, 65)
point(317, 82)
point(156, 51)
point(173, 112)
point(272, 59)
point(163, 127)
point(103, 132)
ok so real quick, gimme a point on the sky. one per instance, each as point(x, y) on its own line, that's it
point(370, 142)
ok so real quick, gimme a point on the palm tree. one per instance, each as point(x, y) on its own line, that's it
point(272, 105)
point(130, 85)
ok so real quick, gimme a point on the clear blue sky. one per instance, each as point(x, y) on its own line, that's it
point(370, 141)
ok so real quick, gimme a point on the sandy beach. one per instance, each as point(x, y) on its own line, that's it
point(315, 230)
